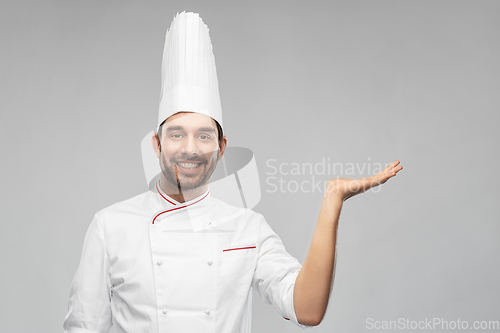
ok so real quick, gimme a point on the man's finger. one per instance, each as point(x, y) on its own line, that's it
point(393, 164)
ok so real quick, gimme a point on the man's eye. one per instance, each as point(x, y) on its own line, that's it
point(204, 137)
point(175, 136)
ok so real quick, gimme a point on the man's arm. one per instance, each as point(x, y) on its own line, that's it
point(89, 305)
point(315, 280)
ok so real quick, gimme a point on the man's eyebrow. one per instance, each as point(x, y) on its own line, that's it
point(174, 128)
point(179, 128)
point(206, 129)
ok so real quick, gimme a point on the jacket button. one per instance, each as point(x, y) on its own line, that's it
point(159, 262)
point(210, 262)
point(207, 311)
point(164, 311)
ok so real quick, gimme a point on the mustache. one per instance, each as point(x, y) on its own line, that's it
point(187, 158)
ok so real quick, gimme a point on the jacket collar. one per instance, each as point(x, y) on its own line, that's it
point(167, 202)
point(194, 210)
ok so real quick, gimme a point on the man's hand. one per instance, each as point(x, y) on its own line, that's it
point(346, 188)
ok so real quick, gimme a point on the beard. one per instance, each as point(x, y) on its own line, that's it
point(183, 181)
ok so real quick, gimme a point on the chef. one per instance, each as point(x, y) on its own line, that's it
point(177, 259)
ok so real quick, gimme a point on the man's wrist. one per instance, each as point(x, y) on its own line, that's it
point(334, 196)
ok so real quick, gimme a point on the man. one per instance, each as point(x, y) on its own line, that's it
point(178, 260)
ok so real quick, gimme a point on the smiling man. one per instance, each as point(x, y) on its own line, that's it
point(178, 260)
point(191, 145)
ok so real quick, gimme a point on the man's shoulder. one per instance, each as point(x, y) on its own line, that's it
point(137, 205)
point(227, 212)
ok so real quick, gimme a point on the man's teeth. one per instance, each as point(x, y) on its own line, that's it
point(189, 165)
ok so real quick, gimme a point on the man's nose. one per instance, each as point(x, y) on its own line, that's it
point(190, 145)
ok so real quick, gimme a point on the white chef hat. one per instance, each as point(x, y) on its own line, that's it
point(189, 77)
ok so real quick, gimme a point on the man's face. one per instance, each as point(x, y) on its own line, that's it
point(189, 150)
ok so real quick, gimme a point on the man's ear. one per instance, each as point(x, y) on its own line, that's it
point(155, 141)
point(222, 147)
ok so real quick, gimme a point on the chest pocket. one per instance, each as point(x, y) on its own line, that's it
point(237, 264)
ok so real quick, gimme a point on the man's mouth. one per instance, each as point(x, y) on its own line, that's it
point(188, 167)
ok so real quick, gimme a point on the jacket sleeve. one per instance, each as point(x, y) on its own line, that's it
point(275, 273)
point(89, 305)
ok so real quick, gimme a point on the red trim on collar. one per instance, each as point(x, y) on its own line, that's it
point(163, 196)
point(169, 210)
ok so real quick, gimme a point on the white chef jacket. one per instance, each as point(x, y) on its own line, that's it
point(152, 264)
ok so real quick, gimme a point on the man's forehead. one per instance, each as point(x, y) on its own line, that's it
point(189, 120)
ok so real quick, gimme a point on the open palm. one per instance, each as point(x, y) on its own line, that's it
point(347, 188)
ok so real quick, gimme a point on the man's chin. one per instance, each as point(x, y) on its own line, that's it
point(189, 187)
point(189, 184)
point(186, 181)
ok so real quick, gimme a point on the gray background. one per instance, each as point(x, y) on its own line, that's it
point(353, 81)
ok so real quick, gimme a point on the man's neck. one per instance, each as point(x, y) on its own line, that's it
point(179, 194)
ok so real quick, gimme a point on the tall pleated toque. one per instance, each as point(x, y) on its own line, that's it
point(189, 76)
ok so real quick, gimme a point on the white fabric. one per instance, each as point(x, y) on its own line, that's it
point(152, 265)
point(189, 77)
